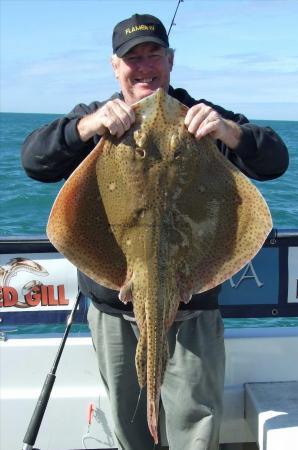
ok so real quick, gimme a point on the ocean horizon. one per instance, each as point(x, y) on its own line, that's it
point(248, 109)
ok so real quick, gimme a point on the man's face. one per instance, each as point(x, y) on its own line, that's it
point(142, 70)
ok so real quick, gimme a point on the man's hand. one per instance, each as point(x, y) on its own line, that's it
point(201, 120)
point(115, 116)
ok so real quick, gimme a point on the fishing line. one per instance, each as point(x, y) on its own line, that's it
point(138, 401)
point(173, 23)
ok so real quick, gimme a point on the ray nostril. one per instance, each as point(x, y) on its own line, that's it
point(139, 213)
point(177, 154)
point(141, 153)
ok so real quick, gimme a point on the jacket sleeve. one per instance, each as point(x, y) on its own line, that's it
point(261, 153)
point(53, 151)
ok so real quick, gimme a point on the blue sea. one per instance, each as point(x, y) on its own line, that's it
point(25, 203)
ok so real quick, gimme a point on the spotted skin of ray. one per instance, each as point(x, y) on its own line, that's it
point(177, 216)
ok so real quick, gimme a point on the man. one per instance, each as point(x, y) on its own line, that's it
point(193, 385)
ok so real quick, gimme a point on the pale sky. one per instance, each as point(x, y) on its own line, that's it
point(240, 54)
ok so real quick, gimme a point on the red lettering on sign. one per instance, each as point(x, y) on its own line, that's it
point(44, 296)
point(33, 297)
point(8, 296)
point(39, 294)
point(52, 300)
point(61, 295)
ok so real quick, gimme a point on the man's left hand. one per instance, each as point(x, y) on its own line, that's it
point(201, 120)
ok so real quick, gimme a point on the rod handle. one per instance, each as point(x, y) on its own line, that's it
point(39, 411)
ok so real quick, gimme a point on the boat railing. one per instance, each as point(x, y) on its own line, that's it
point(265, 287)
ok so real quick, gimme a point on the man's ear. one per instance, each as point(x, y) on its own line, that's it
point(171, 61)
point(114, 62)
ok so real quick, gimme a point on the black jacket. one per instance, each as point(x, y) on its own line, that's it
point(52, 152)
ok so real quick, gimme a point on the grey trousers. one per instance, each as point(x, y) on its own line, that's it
point(192, 390)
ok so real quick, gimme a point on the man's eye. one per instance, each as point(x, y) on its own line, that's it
point(132, 58)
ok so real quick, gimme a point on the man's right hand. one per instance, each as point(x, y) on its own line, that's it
point(115, 116)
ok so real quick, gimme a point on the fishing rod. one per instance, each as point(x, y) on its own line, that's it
point(38, 413)
point(173, 23)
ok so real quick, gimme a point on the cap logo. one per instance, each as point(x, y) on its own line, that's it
point(140, 28)
point(136, 30)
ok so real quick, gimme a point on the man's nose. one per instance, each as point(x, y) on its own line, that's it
point(145, 63)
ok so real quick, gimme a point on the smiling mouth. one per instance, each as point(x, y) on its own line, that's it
point(145, 80)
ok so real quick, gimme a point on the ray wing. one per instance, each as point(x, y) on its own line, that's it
point(79, 229)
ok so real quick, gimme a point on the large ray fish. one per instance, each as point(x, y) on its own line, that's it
point(158, 216)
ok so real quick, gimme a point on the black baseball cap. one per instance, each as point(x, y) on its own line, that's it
point(138, 29)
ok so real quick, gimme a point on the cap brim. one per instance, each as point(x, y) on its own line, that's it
point(125, 48)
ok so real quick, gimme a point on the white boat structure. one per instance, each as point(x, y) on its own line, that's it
point(38, 288)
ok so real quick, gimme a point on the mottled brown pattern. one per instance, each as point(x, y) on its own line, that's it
point(158, 216)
